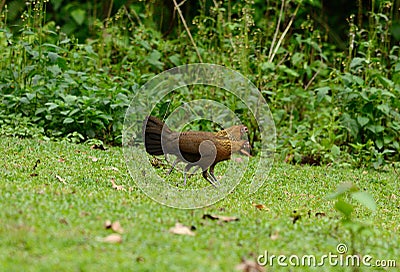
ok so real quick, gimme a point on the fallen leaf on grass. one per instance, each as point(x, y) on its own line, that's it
point(94, 159)
point(63, 221)
point(111, 168)
point(116, 226)
point(61, 160)
point(181, 230)
point(274, 236)
point(60, 179)
point(84, 213)
point(260, 206)
point(34, 175)
point(220, 217)
point(249, 266)
point(117, 187)
point(112, 239)
point(107, 224)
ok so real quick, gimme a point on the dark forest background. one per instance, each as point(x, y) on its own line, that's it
point(330, 70)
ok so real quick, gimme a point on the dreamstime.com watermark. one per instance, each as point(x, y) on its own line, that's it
point(331, 259)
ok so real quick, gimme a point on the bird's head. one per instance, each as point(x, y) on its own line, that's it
point(243, 129)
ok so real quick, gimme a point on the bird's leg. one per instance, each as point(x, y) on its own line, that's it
point(173, 166)
point(194, 171)
point(210, 180)
point(184, 178)
point(187, 167)
point(212, 174)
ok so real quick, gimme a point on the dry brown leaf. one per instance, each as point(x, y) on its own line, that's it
point(61, 160)
point(260, 206)
point(84, 213)
point(112, 239)
point(274, 236)
point(181, 230)
point(249, 266)
point(116, 226)
point(111, 168)
point(60, 179)
point(94, 159)
point(117, 187)
point(63, 221)
point(220, 217)
point(107, 224)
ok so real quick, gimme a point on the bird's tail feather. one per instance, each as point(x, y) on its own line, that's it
point(153, 129)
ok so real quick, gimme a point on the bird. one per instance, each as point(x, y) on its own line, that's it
point(197, 148)
point(233, 133)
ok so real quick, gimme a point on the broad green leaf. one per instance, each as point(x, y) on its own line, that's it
point(89, 49)
point(54, 69)
point(24, 100)
point(78, 15)
point(288, 71)
point(341, 189)
point(384, 108)
point(268, 66)
point(350, 124)
point(51, 106)
point(321, 93)
point(335, 150)
point(175, 59)
point(362, 120)
point(375, 128)
point(344, 207)
point(40, 110)
point(365, 199)
point(53, 56)
point(297, 58)
point(68, 120)
point(74, 111)
point(357, 62)
point(30, 96)
point(379, 143)
point(385, 81)
point(358, 80)
point(154, 59)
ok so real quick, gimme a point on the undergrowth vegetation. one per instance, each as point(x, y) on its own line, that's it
point(329, 105)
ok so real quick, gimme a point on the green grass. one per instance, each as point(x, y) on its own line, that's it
point(50, 225)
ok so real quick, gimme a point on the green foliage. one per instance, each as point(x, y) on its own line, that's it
point(343, 193)
point(329, 106)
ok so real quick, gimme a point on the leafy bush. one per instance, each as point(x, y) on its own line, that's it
point(329, 106)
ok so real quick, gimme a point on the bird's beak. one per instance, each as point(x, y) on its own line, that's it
point(245, 152)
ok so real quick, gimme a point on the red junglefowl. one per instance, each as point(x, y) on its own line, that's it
point(197, 148)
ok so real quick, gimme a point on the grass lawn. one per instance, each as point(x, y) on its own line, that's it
point(52, 216)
